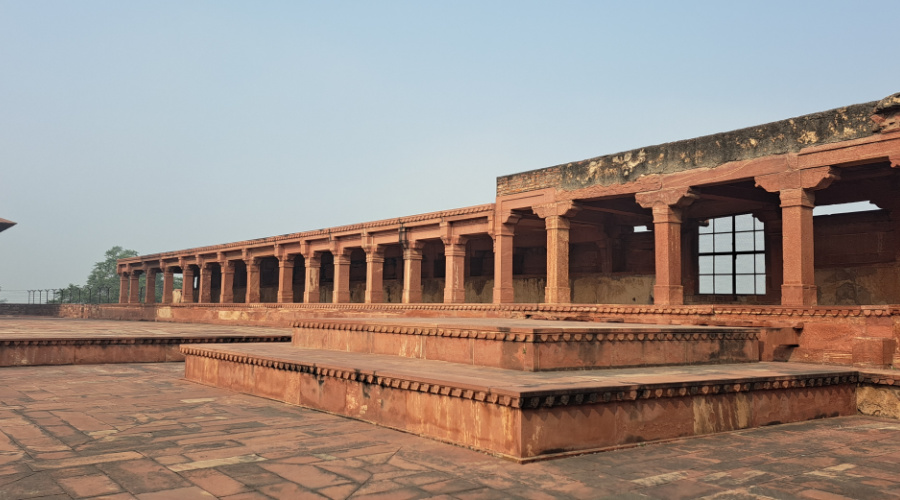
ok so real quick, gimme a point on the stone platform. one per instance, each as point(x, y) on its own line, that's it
point(53, 341)
point(531, 345)
point(466, 390)
point(522, 415)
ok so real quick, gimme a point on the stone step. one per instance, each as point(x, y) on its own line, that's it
point(51, 341)
point(531, 345)
point(529, 415)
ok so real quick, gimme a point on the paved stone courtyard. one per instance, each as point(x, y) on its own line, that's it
point(141, 431)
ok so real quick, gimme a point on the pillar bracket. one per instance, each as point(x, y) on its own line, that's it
point(812, 179)
point(567, 208)
point(672, 197)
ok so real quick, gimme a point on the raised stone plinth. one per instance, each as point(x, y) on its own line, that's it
point(50, 341)
point(529, 415)
point(531, 345)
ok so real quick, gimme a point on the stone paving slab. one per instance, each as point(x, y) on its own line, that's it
point(140, 431)
point(57, 341)
point(31, 328)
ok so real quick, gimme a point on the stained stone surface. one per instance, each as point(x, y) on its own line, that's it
point(142, 431)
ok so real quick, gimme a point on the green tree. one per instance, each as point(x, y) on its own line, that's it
point(103, 276)
point(104, 272)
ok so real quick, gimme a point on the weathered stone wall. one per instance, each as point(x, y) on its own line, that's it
point(613, 289)
point(856, 259)
point(775, 138)
point(51, 310)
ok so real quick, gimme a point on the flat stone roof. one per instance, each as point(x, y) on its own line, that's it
point(785, 136)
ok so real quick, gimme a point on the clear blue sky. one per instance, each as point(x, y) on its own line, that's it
point(166, 125)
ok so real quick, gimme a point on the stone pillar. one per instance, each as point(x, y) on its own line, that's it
point(205, 291)
point(556, 220)
point(313, 271)
point(285, 279)
point(187, 284)
point(168, 284)
point(455, 276)
point(227, 291)
point(252, 264)
point(123, 288)
point(504, 233)
point(341, 293)
point(374, 275)
point(412, 273)
point(150, 290)
point(134, 288)
point(795, 189)
point(667, 206)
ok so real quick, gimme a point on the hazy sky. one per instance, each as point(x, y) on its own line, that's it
point(167, 125)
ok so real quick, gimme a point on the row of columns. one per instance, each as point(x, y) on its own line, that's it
point(454, 291)
point(796, 190)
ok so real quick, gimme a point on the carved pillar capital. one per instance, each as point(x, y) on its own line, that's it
point(811, 179)
point(507, 217)
point(672, 197)
point(566, 208)
point(376, 255)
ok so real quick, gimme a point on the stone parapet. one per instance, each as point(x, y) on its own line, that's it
point(776, 138)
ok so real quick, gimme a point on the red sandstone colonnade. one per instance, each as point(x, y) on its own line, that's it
point(721, 219)
point(553, 246)
point(438, 257)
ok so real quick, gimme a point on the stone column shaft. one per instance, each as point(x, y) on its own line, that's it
point(227, 291)
point(150, 292)
point(341, 293)
point(668, 289)
point(313, 274)
point(412, 275)
point(123, 288)
point(168, 285)
point(667, 206)
point(557, 290)
point(796, 190)
point(503, 265)
point(187, 284)
point(799, 286)
point(134, 288)
point(374, 277)
point(285, 280)
point(455, 281)
point(252, 280)
point(205, 283)
point(556, 220)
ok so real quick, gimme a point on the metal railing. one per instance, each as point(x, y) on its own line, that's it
point(72, 295)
